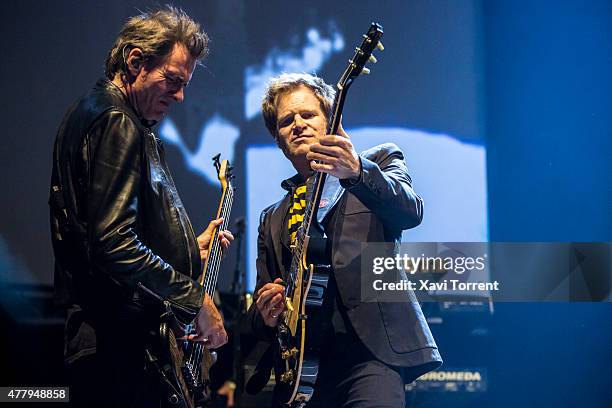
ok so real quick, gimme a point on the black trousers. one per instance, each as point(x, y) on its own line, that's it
point(116, 375)
point(350, 377)
point(103, 381)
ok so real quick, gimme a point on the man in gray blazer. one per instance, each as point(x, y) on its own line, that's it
point(368, 197)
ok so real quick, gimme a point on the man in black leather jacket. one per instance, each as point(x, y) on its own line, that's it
point(121, 236)
point(368, 197)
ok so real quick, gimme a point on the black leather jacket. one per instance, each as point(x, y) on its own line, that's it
point(116, 218)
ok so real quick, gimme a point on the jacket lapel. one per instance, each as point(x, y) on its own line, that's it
point(332, 191)
point(276, 229)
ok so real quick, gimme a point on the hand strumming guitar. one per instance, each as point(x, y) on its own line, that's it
point(271, 302)
point(209, 325)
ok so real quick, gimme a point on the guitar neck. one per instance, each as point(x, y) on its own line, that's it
point(213, 262)
point(355, 68)
point(314, 196)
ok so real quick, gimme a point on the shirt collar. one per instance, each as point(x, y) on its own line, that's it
point(292, 182)
point(110, 85)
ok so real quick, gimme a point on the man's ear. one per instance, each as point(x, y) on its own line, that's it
point(134, 62)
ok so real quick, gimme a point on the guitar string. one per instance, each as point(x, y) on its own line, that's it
point(217, 244)
point(215, 258)
point(214, 255)
point(195, 356)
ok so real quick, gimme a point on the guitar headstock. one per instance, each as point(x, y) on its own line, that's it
point(224, 171)
point(363, 55)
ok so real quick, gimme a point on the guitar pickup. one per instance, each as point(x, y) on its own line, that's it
point(289, 353)
point(287, 376)
point(289, 305)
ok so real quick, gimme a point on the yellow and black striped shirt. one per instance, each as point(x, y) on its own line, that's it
point(296, 211)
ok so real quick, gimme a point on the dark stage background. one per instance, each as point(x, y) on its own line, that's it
point(502, 107)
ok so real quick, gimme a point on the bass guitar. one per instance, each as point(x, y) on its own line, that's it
point(187, 364)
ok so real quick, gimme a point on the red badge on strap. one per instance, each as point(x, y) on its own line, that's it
point(323, 203)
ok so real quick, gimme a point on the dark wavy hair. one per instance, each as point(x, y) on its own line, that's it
point(155, 33)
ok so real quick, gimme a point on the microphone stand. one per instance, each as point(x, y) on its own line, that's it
point(239, 290)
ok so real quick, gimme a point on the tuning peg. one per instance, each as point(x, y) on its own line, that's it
point(373, 59)
point(380, 46)
point(365, 71)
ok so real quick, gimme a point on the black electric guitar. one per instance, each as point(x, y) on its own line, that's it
point(187, 364)
point(297, 366)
